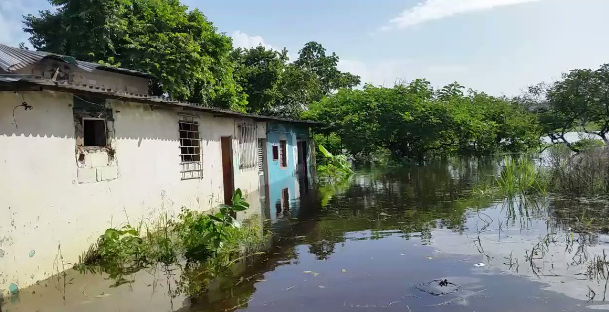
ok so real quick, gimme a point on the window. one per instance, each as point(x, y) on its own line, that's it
point(283, 152)
point(94, 132)
point(260, 155)
point(247, 146)
point(190, 148)
point(275, 153)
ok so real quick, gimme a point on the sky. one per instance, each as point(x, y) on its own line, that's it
point(496, 46)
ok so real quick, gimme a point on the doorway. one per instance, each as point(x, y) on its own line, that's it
point(302, 157)
point(227, 168)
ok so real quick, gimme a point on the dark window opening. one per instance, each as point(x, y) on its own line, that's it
point(94, 132)
point(275, 152)
point(283, 144)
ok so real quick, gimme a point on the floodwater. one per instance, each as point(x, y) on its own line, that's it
point(412, 239)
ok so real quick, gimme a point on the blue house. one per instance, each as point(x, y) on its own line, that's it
point(290, 158)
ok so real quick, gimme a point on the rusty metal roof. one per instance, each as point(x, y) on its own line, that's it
point(12, 59)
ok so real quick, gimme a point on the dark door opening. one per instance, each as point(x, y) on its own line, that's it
point(302, 157)
point(227, 169)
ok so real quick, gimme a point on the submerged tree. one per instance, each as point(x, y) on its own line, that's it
point(162, 37)
point(579, 101)
point(414, 121)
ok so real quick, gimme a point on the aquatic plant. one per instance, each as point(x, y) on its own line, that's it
point(335, 167)
point(521, 177)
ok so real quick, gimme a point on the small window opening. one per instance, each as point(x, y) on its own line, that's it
point(275, 153)
point(94, 132)
point(283, 145)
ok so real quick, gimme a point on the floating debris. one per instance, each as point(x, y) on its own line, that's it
point(310, 272)
point(439, 287)
point(344, 271)
point(479, 265)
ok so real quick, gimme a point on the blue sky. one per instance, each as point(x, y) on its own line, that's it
point(496, 46)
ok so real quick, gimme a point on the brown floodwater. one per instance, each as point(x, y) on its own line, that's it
point(409, 239)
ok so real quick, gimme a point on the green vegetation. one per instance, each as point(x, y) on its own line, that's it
point(191, 59)
point(521, 177)
point(415, 122)
point(577, 101)
point(333, 167)
point(193, 237)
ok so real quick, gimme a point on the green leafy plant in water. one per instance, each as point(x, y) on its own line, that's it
point(196, 236)
point(201, 235)
point(335, 167)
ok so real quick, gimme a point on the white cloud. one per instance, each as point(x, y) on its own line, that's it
point(243, 40)
point(388, 72)
point(438, 9)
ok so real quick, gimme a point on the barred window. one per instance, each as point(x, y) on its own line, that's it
point(261, 150)
point(247, 146)
point(190, 148)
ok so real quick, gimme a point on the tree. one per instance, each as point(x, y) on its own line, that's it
point(579, 101)
point(416, 122)
point(162, 37)
point(259, 72)
point(312, 58)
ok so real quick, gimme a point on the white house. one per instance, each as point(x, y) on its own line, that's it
point(84, 147)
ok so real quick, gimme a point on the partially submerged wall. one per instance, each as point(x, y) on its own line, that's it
point(55, 202)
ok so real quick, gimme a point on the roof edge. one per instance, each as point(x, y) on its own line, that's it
point(13, 84)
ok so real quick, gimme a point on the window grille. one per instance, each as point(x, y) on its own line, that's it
point(261, 155)
point(190, 148)
point(247, 146)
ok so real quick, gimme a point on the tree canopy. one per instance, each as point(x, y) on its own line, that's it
point(162, 37)
point(414, 121)
point(578, 101)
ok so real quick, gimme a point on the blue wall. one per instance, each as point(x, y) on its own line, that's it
point(280, 178)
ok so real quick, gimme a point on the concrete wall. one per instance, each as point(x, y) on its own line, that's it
point(48, 216)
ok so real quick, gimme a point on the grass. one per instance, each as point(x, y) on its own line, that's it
point(521, 176)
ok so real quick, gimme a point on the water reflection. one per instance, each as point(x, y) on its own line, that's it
point(382, 240)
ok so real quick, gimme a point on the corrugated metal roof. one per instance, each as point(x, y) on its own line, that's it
point(21, 82)
point(12, 59)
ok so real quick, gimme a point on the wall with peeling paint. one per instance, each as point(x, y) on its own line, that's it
point(48, 218)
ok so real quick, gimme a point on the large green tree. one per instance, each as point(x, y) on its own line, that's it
point(259, 72)
point(311, 77)
point(162, 37)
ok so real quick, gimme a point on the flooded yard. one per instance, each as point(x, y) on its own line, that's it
point(411, 239)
